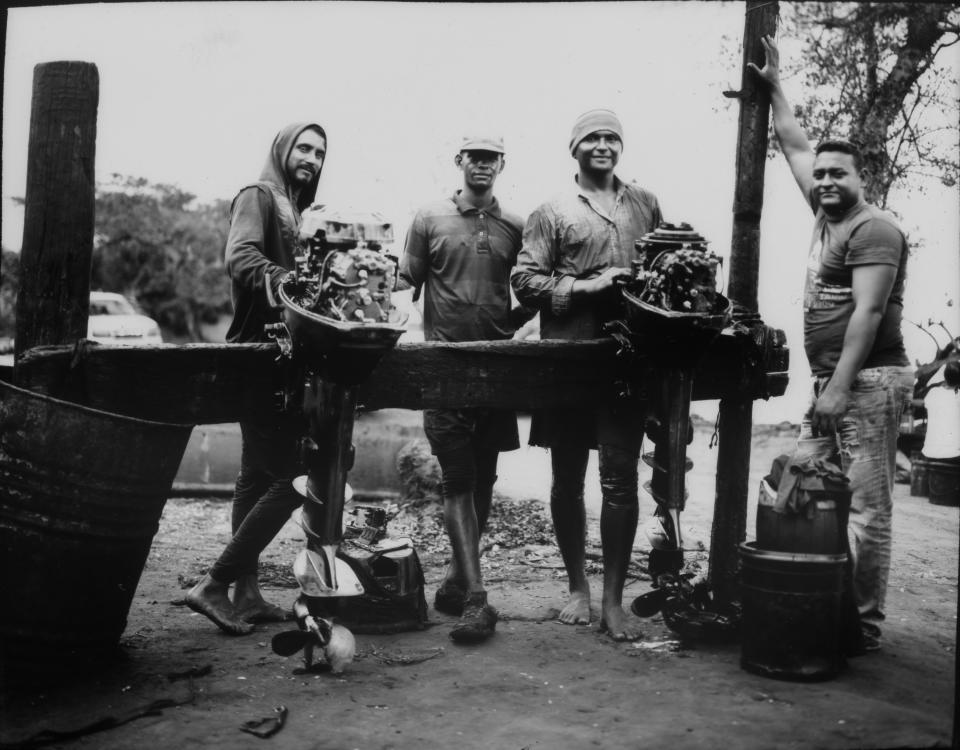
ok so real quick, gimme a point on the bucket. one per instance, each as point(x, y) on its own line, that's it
point(943, 478)
point(81, 494)
point(819, 533)
point(919, 480)
point(792, 615)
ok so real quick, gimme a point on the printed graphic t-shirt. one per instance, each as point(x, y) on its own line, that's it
point(865, 235)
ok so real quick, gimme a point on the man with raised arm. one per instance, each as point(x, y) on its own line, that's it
point(853, 303)
point(575, 249)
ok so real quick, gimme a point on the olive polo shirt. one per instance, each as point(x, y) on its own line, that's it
point(462, 256)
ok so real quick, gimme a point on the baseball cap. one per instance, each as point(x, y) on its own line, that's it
point(483, 143)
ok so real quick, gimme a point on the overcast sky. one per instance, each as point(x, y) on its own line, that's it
point(193, 93)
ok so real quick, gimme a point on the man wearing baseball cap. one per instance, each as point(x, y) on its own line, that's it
point(575, 248)
point(460, 251)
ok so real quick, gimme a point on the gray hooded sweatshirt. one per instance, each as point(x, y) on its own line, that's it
point(261, 244)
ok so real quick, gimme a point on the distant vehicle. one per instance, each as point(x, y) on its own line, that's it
point(113, 320)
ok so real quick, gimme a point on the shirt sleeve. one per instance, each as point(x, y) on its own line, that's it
point(875, 241)
point(416, 256)
point(657, 213)
point(246, 262)
point(533, 279)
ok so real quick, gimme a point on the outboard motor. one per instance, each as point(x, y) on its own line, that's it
point(673, 311)
point(673, 303)
point(338, 323)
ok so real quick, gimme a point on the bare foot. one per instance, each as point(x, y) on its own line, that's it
point(210, 599)
point(620, 625)
point(577, 611)
point(250, 606)
point(264, 612)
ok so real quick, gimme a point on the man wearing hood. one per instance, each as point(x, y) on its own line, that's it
point(261, 245)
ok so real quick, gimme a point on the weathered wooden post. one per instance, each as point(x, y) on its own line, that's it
point(83, 489)
point(736, 411)
point(54, 297)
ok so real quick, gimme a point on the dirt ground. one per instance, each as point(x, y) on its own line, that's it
point(536, 684)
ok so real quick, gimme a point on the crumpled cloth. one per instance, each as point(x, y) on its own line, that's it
point(801, 480)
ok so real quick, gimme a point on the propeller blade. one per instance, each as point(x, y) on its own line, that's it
point(289, 642)
point(649, 604)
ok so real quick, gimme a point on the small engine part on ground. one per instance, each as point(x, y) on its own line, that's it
point(367, 524)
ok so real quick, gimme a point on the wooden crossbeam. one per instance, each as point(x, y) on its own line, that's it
point(212, 383)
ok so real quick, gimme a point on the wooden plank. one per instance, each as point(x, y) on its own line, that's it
point(54, 292)
point(211, 383)
point(190, 384)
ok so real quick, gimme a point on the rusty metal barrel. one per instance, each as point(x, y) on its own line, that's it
point(792, 625)
point(944, 481)
point(81, 495)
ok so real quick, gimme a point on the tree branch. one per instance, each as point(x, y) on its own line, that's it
point(944, 45)
point(900, 140)
point(875, 54)
point(908, 128)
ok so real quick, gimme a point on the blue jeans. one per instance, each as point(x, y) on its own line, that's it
point(865, 447)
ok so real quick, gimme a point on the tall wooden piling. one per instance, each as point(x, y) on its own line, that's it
point(736, 410)
point(752, 141)
point(54, 297)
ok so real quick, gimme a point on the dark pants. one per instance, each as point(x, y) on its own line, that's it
point(469, 468)
point(467, 444)
point(264, 496)
point(618, 474)
point(618, 512)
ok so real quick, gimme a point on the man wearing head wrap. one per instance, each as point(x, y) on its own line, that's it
point(261, 244)
point(575, 248)
point(460, 250)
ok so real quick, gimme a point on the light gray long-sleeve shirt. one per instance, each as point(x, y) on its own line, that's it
point(571, 237)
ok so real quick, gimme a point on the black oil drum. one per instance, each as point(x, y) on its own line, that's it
point(943, 481)
point(792, 615)
point(919, 476)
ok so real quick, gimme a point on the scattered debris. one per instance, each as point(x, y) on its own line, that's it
point(668, 645)
point(269, 573)
point(281, 576)
point(267, 726)
point(399, 657)
point(511, 524)
point(192, 672)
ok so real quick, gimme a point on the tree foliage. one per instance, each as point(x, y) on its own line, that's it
point(152, 245)
point(9, 284)
point(870, 76)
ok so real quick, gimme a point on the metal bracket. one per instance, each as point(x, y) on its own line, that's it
point(281, 334)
